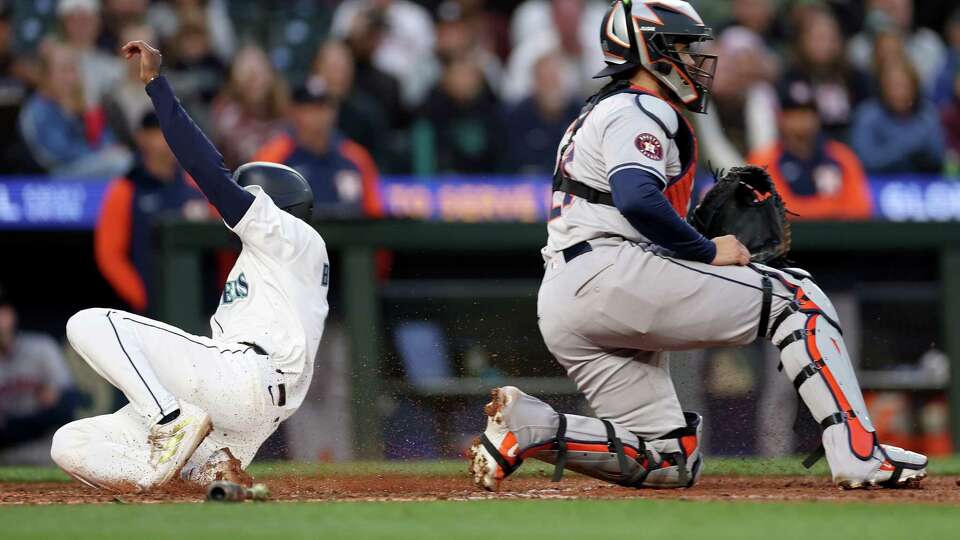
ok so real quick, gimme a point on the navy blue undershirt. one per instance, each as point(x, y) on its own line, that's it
point(197, 155)
point(636, 193)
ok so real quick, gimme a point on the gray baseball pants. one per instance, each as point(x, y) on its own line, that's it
point(610, 317)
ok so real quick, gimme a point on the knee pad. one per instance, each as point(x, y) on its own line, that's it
point(814, 356)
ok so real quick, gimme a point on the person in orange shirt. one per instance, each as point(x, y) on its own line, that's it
point(155, 186)
point(343, 176)
point(818, 178)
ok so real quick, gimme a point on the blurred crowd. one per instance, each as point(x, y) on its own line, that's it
point(821, 92)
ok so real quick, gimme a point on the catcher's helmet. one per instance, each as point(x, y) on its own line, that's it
point(651, 41)
point(289, 189)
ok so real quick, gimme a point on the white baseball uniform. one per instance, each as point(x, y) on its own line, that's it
point(250, 376)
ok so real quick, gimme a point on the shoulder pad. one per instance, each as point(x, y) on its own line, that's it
point(660, 111)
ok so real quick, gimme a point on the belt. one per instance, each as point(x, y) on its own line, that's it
point(576, 250)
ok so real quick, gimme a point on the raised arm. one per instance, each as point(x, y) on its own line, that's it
point(196, 154)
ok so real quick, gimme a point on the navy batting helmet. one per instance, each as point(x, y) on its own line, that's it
point(289, 189)
point(651, 42)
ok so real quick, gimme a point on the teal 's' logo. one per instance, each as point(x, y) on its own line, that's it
point(235, 290)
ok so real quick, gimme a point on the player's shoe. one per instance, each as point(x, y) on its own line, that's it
point(220, 466)
point(890, 466)
point(172, 444)
point(493, 455)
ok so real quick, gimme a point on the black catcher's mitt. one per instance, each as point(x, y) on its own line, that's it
point(745, 203)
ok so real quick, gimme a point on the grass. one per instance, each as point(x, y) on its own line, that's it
point(581, 519)
point(788, 466)
point(484, 520)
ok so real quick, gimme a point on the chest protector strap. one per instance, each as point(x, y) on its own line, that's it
point(564, 183)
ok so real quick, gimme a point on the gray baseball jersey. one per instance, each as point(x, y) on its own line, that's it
point(624, 131)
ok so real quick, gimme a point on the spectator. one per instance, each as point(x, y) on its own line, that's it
point(539, 27)
point(943, 90)
point(923, 45)
point(214, 16)
point(900, 131)
point(818, 178)
point(117, 15)
point(122, 240)
point(361, 117)
point(101, 71)
point(64, 135)
point(406, 43)
point(195, 71)
point(342, 174)
point(742, 98)
point(457, 36)
point(458, 127)
point(818, 59)
point(249, 111)
point(951, 126)
point(127, 104)
point(758, 16)
point(36, 390)
point(365, 34)
point(533, 128)
point(14, 157)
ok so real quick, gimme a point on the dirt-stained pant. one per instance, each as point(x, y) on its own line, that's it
point(610, 316)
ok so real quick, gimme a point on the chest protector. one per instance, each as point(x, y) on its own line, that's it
point(679, 191)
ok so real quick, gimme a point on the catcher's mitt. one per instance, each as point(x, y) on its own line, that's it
point(745, 203)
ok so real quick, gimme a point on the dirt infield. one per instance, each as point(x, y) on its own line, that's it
point(411, 488)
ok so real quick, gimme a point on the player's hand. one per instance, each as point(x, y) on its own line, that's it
point(730, 252)
point(150, 58)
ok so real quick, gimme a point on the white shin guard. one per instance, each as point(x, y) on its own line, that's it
point(814, 356)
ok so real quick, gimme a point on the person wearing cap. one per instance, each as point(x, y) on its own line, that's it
point(79, 28)
point(63, 132)
point(343, 176)
point(818, 178)
point(155, 186)
point(36, 389)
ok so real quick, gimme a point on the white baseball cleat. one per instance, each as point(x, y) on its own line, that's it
point(172, 444)
point(493, 454)
point(891, 467)
point(222, 465)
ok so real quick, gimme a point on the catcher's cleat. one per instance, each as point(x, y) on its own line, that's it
point(891, 467)
point(220, 466)
point(172, 444)
point(493, 455)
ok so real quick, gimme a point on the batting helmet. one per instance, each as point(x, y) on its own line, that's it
point(289, 189)
point(659, 26)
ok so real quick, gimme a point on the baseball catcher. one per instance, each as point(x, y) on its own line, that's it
point(201, 407)
point(628, 279)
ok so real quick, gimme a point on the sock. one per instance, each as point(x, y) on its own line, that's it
point(169, 418)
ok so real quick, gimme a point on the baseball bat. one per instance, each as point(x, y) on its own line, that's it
point(221, 491)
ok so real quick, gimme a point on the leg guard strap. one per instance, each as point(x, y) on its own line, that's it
point(561, 444)
point(616, 445)
point(767, 286)
point(808, 371)
point(832, 420)
point(791, 308)
point(492, 449)
point(795, 336)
